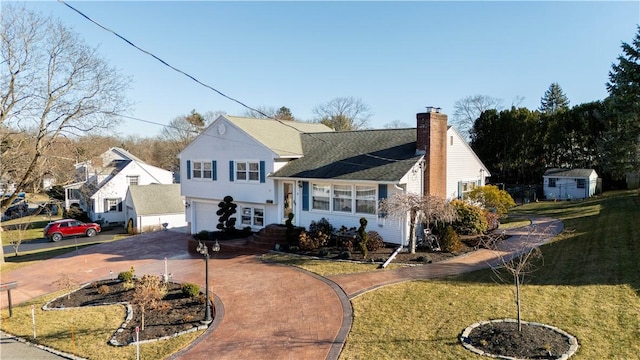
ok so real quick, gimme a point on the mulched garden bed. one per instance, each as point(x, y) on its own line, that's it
point(176, 313)
point(533, 342)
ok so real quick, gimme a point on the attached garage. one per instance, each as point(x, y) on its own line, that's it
point(205, 216)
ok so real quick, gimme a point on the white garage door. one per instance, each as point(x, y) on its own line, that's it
point(206, 218)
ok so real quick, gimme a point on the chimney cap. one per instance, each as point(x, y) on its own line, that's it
point(433, 109)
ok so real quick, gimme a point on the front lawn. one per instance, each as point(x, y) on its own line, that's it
point(588, 286)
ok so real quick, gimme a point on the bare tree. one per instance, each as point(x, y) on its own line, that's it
point(53, 86)
point(149, 290)
point(16, 235)
point(468, 109)
point(343, 113)
point(270, 112)
point(178, 134)
point(418, 207)
point(67, 282)
point(517, 260)
point(396, 124)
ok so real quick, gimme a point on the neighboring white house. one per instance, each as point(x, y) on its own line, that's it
point(154, 207)
point(569, 184)
point(104, 187)
point(273, 168)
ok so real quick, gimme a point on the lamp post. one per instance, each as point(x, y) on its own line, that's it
point(204, 250)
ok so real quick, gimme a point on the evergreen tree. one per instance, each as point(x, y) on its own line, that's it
point(554, 100)
point(624, 103)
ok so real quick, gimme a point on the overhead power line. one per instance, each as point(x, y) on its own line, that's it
point(211, 87)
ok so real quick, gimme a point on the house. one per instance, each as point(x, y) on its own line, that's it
point(569, 184)
point(272, 168)
point(104, 182)
point(154, 207)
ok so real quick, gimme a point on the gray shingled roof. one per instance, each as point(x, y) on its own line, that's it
point(282, 137)
point(341, 155)
point(569, 173)
point(156, 199)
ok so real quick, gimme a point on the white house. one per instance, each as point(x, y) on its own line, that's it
point(569, 184)
point(273, 168)
point(106, 180)
point(154, 207)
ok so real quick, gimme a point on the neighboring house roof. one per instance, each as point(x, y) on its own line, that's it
point(369, 155)
point(569, 173)
point(123, 154)
point(156, 199)
point(280, 136)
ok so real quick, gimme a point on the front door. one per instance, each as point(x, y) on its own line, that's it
point(287, 201)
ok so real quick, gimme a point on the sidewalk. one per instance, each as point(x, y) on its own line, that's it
point(269, 311)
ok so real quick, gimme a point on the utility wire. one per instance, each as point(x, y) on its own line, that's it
point(214, 89)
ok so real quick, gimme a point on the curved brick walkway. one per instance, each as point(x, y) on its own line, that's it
point(265, 311)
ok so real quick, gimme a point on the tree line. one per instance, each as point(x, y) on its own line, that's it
point(518, 145)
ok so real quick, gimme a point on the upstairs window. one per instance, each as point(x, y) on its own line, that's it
point(202, 170)
point(133, 180)
point(247, 171)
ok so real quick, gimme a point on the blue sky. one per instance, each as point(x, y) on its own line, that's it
point(397, 57)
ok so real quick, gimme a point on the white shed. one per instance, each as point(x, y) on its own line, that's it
point(569, 184)
point(150, 207)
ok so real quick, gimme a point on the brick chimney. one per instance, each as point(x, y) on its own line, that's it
point(432, 142)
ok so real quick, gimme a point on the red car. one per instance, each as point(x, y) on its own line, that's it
point(56, 230)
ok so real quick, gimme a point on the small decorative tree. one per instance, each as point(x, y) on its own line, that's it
point(149, 290)
point(67, 282)
point(227, 208)
point(362, 237)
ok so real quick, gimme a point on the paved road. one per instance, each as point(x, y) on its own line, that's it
point(42, 243)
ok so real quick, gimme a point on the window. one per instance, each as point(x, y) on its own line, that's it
point(197, 170)
point(320, 197)
point(113, 205)
point(202, 170)
point(580, 183)
point(342, 198)
point(466, 187)
point(133, 180)
point(552, 182)
point(366, 199)
point(252, 216)
point(247, 171)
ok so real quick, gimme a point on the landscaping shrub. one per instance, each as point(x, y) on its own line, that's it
point(127, 276)
point(491, 197)
point(375, 241)
point(323, 225)
point(190, 290)
point(76, 213)
point(203, 235)
point(290, 234)
point(471, 218)
point(225, 212)
point(312, 241)
point(493, 220)
point(103, 289)
point(362, 237)
point(450, 241)
point(346, 243)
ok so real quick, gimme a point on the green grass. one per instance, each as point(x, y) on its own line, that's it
point(323, 267)
point(85, 332)
point(28, 227)
point(588, 285)
point(513, 222)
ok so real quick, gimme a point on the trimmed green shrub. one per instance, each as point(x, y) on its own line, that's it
point(362, 237)
point(491, 197)
point(471, 218)
point(190, 290)
point(450, 241)
point(127, 276)
point(225, 212)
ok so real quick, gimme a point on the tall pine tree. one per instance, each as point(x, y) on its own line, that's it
point(623, 134)
point(554, 100)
